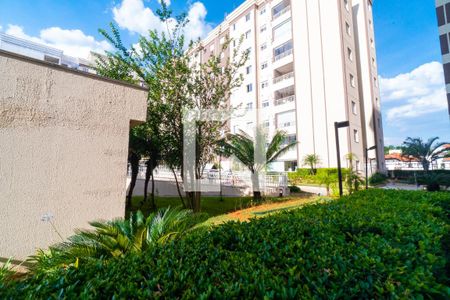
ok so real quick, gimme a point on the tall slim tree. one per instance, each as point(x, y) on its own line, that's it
point(311, 160)
point(426, 152)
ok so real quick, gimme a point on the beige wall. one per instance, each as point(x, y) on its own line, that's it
point(63, 150)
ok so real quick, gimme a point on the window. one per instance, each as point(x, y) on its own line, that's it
point(282, 30)
point(356, 136)
point(249, 106)
point(263, 28)
point(358, 166)
point(264, 46)
point(354, 108)
point(51, 59)
point(234, 26)
point(444, 44)
point(249, 50)
point(283, 50)
point(352, 80)
point(374, 63)
point(263, 10)
point(247, 34)
point(265, 103)
point(347, 28)
point(248, 69)
point(266, 123)
point(264, 84)
point(234, 43)
point(346, 5)
point(211, 48)
point(375, 81)
point(447, 73)
point(372, 44)
point(350, 54)
point(264, 65)
point(247, 17)
point(249, 88)
point(249, 124)
point(447, 12)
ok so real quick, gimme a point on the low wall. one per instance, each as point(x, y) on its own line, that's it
point(63, 151)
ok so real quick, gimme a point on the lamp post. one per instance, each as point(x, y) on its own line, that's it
point(367, 160)
point(222, 133)
point(338, 125)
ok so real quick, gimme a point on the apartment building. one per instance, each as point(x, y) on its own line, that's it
point(312, 63)
point(443, 19)
point(43, 52)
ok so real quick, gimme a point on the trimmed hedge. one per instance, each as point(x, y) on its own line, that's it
point(405, 175)
point(373, 244)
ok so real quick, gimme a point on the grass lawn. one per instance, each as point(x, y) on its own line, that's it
point(213, 206)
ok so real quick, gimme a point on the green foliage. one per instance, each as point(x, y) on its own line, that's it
point(117, 238)
point(294, 189)
point(426, 152)
point(5, 270)
point(373, 244)
point(377, 178)
point(311, 160)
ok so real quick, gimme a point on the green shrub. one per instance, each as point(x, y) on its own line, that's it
point(294, 189)
point(377, 178)
point(373, 244)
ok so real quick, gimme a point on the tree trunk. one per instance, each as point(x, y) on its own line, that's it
point(196, 202)
point(147, 180)
point(134, 162)
point(178, 188)
point(426, 165)
point(256, 190)
point(153, 190)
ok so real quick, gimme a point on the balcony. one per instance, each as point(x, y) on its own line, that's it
point(277, 14)
point(284, 100)
point(283, 77)
point(282, 55)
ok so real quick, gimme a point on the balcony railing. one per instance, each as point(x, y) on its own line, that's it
point(282, 55)
point(284, 100)
point(283, 77)
point(281, 12)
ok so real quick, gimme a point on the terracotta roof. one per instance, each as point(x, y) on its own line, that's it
point(399, 157)
point(447, 159)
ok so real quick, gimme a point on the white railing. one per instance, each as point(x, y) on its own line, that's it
point(284, 100)
point(283, 77)
point(282, 55)
point(281, 12)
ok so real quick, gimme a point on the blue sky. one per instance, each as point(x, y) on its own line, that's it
point(409, 61)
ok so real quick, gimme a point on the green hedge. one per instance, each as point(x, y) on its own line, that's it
point(405, 175)
point(303, 176)
point(373, 244)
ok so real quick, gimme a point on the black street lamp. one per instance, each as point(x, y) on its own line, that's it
point(338, 125)
point(367, 160)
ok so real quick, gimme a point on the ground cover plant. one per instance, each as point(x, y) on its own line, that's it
point(372, 244)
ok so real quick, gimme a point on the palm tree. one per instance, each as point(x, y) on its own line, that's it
point(118, 237)
point(311, 160)
point(425, 152)
point(353, 180)
point(242, 146)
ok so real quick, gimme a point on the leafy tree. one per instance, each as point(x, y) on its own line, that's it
point(311, 160)
point(352, 178)
point(117, 238)
point(328, 178)
point(242, 146)
point(426, 152)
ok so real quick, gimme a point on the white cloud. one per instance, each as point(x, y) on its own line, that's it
point(413, 94)
point(73, 42)
point(133, 16)
point(418, 83)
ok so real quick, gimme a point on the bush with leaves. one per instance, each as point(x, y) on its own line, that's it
point(377, 178)
point(117, 238)
point(372, 244)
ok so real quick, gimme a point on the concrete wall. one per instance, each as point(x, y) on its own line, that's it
point(63, 151)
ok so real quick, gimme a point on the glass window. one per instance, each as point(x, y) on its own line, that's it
point(264, 84)
point(347, 29)
point(282, 30)
point(352, 81)
point(447, 12)
point(249, 69)
point(350, 54)
point(264, 65)
point(355, 136)
point(249, 88)
point(283, 48)
point(440, 15)
point(247, 17)
point(447, 73)
point(354, 108)
point(264, 46)
point(444, 44)
point(247, 34)
point(263, 28)
point(265, 103)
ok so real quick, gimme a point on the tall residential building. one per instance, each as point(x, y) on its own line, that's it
point(443, 19)
point(43, 52)
point(312, 63)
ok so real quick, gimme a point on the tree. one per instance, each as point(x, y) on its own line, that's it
point(425, 152)
point(311, 160)
point(328, 178)
point(352, 178)
point(242, 146)
point(118, 237)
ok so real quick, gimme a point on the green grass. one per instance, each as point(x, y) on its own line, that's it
point(210, 205)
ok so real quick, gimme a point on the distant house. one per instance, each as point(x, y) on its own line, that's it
point(395, 160)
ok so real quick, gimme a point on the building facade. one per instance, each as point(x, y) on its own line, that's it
point(311, 63)
point(443, 20)
point(46, 53)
